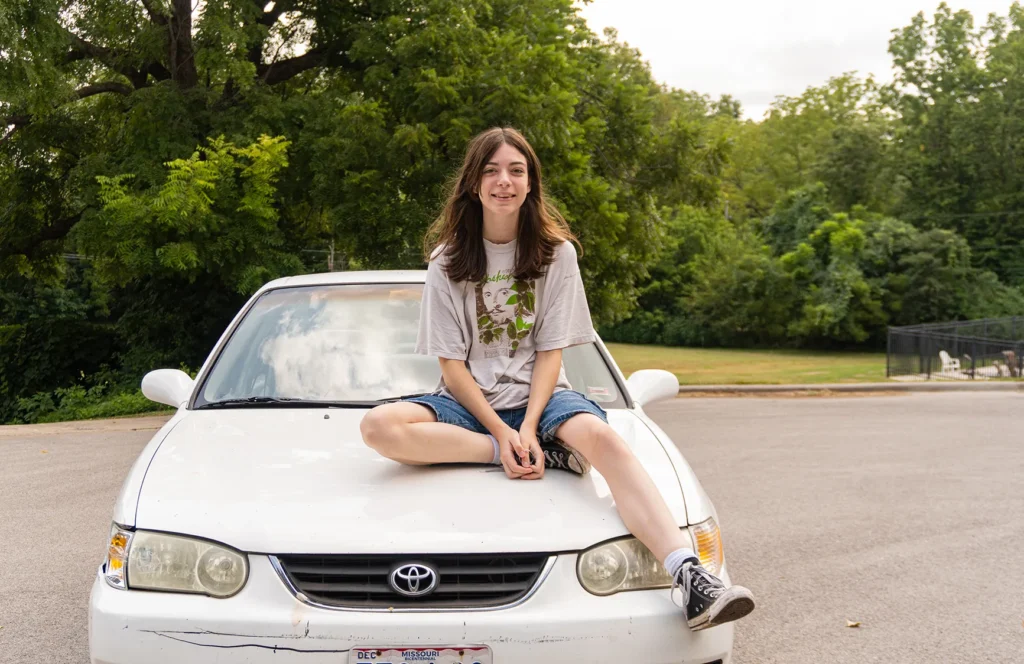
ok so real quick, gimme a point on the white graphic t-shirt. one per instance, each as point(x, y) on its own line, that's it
point(498, 325)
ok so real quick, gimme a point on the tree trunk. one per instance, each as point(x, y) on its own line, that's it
point(180, 54)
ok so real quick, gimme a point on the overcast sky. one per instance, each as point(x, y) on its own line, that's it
point(757, 49)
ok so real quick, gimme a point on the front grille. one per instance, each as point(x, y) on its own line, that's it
point(465, 580)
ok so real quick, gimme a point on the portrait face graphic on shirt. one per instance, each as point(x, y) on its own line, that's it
point(502, 324)
point(496, 296)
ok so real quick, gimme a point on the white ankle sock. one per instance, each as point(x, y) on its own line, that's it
point(674, 561)
point(497, 451)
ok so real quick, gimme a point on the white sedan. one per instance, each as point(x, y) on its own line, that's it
point(257, 527)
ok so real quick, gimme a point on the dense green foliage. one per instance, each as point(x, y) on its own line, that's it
point(78, 403)
point(182, 160)
point(38, 355)
point(808, 276)
point(856, 205)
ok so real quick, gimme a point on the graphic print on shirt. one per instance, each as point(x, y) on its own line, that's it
point(504, 313)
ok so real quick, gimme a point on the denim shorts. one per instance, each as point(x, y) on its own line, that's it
point(560, 407)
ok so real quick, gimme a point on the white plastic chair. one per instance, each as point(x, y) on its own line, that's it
point(949, 365)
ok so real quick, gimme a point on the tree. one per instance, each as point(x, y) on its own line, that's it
point(376, 99)
point(834, 133)
point(795, 216)
point(927, 275)
point(740, 296)
point(959, 96)
point(213, 214)
point(839, 303)
point(186, 157)
point(713, 285)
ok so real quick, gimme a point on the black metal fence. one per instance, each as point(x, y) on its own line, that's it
point(987, 349)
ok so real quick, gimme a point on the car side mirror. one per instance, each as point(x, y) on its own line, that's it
point(168, 386)
point(650, 385)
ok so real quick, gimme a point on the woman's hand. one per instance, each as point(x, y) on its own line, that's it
point(510, 445)
point(528, 438)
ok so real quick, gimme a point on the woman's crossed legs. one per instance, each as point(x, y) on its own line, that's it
point(411, 433)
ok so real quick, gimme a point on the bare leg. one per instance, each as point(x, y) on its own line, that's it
point(637, 499)
point(410, 433)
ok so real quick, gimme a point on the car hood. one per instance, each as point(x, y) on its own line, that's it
point(302, 481)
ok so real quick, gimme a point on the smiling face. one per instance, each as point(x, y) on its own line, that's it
point(504, 182)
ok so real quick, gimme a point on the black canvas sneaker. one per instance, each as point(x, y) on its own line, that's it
point(706, 599)
point(559, 455)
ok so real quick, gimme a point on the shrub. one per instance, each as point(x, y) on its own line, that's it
point(41, 357)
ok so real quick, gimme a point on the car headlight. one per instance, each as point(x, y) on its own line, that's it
point(158, 561)
point(117, 557)
point(708, 539)
point(626, 564)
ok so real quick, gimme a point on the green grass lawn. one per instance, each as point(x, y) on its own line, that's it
point(706, 366)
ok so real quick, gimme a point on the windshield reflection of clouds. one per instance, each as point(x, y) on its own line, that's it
point(327, 344)
point(350, 349)
point(353, 343)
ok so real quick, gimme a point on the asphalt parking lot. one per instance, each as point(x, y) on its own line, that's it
point(904, 514)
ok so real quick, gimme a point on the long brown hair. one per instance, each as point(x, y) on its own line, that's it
point(459, 228)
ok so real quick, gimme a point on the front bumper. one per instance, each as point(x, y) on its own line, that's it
point(560, 623)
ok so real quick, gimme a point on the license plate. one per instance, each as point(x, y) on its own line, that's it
point(421, 655)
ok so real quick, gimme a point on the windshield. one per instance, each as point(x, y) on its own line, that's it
point(351, 343)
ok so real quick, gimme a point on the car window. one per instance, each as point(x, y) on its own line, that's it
point(351, 342)
point(589, 374)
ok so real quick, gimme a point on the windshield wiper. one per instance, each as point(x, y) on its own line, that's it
point(251, 401)
point(404, 396)
point(285, 402)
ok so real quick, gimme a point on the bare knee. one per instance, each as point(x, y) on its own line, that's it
point(598, 440)
point(386, 428)
point(379, 428)
point(608, 443)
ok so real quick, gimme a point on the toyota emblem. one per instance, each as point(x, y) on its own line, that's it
point(413, 579)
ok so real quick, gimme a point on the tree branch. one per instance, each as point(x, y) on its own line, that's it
point(86, 48)
point(15, 122)
point(57, 230)
point(278, 72)
point(267, 19)
point(99, 88)
point(154, 13)
point(21, 120)
point(158, 71)
point(29, 245)
point(74, 55)
point(82, 49)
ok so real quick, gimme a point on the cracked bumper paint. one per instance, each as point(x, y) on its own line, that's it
point(264, 623)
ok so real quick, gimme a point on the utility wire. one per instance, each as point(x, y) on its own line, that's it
point(960, 215)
